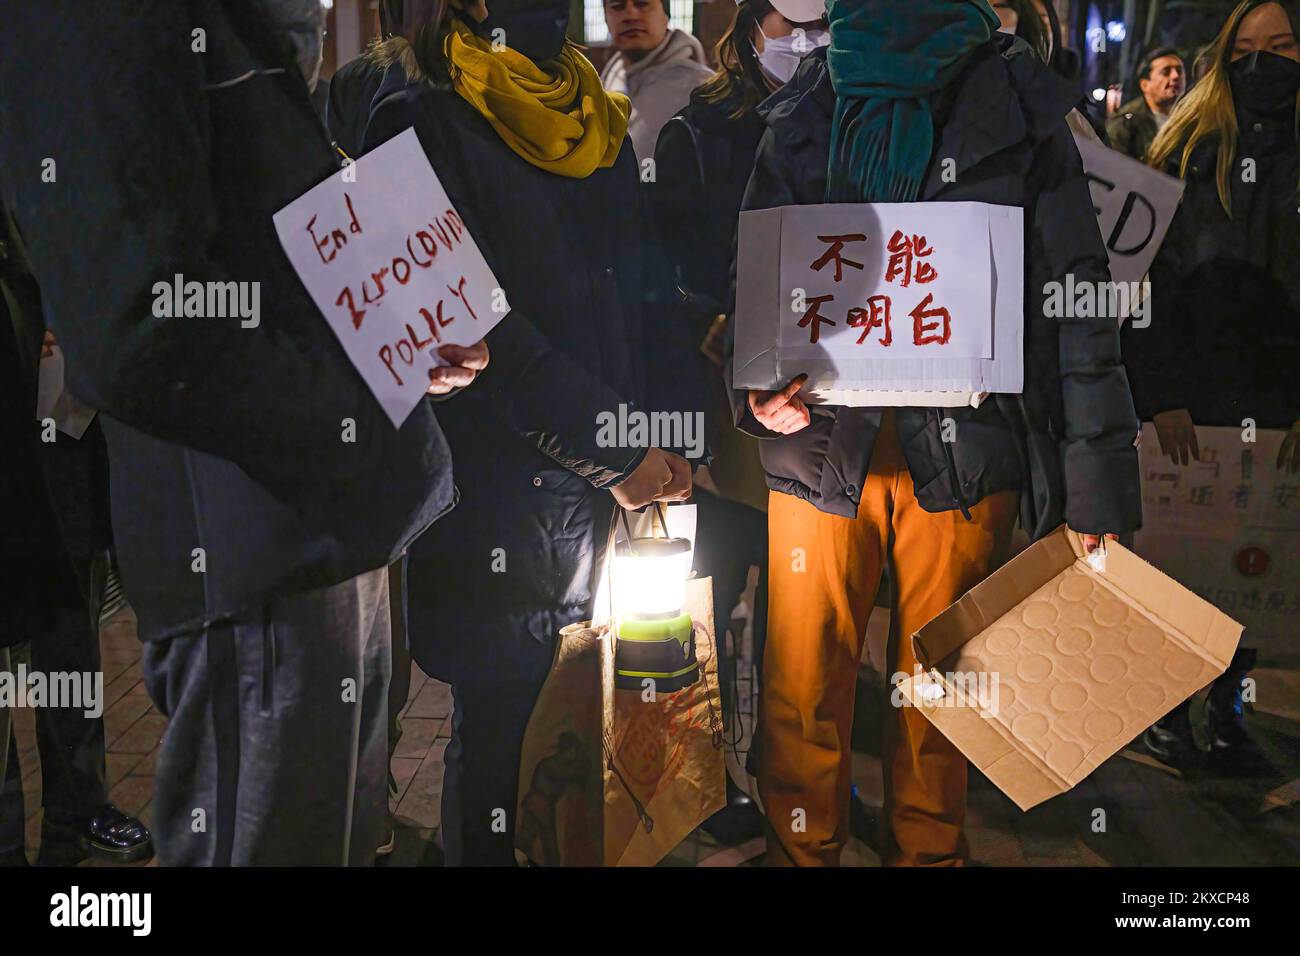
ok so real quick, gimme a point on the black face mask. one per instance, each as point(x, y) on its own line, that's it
point(1265, 83)
point(535, 28)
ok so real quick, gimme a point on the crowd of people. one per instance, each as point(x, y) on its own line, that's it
point(283, 577)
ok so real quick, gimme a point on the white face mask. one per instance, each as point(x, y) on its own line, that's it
point(781, 55)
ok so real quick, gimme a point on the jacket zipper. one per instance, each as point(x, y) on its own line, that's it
point(958, 497)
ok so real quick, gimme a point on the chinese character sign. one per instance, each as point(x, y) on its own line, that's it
point(875, 297)
point(1228, 527)
point(906, 282)
point(390, 264)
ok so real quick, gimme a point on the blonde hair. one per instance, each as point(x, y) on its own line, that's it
point(1207, 111)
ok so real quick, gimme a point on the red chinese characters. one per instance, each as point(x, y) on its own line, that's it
point(907, 264)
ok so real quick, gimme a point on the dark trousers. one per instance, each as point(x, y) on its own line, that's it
point(481, 776)
point(70, 744)
point(730, 538)
point(276, 753)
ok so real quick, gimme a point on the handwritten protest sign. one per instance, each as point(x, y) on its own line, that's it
point(1228, 527)
point(1134, 205)
point(390, 264)
point(881, 303)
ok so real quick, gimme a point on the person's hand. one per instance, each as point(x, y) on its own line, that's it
point(1288, 456)
point(661, 476)
point(466, 362)
point(783, 412)
point(1177, 436)
point(1092, 541)
point(47, 344)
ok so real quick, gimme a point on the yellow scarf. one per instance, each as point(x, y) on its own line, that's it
point(556, 115)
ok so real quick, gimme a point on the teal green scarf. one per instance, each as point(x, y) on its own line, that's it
point(886, 59)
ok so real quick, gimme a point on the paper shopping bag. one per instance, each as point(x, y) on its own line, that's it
point(612, 777)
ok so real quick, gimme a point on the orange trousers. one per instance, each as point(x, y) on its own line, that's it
point(824, 574)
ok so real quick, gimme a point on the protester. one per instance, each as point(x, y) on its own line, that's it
point(251, 531)
point(491, 586)
point(656, 66)
point(1227, 274)
point(1161, 78)
point(54, 539)
point(856, 487)
point(1020, 18)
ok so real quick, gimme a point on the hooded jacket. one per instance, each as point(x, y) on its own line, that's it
point(232, 480)
point(659, 84)
point(1067, 442)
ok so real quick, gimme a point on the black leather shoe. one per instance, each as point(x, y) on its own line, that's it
point(109, 835)
point(738, 821)
point(1170, 739)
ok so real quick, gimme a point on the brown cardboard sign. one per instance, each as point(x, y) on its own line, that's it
point(1050, 666)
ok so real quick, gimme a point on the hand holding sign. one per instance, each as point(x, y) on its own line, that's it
point(782, 411)
point(389, 262)
point(465, 365)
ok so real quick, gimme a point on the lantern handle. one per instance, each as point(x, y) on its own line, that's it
point(663, 519)
point(658, 512)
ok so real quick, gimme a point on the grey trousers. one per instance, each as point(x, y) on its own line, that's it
point(276, 753)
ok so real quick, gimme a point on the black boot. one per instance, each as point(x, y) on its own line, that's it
point(109, 834)
point(1170, 739)
point(738, 821)
point(1224, 710)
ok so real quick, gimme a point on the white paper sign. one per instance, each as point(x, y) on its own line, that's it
point(882, 303)
point(55, 402)
point(1134, 205)
point(390, 264)
point(1228, 527)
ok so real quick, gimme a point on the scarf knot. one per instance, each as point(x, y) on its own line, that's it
point(555, 114)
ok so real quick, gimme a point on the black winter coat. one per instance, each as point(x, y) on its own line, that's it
point(1224, 338)
point(702, 163)
point(491, 585)
point(1069, 444)
point(220, 437)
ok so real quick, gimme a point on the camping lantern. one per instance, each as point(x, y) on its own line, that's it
point(655, 636)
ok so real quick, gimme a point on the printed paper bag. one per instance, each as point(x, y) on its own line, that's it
point(612, 777)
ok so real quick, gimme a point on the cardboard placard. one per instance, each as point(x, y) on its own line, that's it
point(391, 266)
point(1134, 204)
point(1228, 527)
point(1049, 666)
point(881, 303)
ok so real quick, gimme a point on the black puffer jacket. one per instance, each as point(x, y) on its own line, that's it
point(491, 584)
point(1003, 123)
point(1224, 338)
